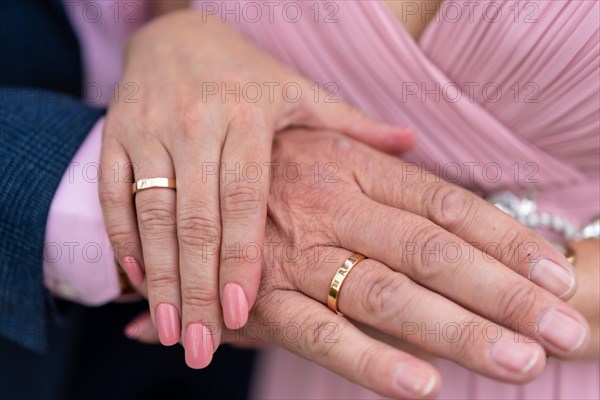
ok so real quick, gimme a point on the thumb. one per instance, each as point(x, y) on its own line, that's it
point(332, 113)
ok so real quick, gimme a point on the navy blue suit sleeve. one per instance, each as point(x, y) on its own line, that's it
point(40, 131)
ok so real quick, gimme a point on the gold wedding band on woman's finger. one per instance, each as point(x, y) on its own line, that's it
point(338, 280)
point(149, 183)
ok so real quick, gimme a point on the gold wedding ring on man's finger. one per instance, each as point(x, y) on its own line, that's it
point(338, 280)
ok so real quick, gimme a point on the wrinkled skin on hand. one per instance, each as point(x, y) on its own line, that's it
point(330, 197)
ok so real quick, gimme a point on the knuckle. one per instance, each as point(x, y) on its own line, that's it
point(321, 350)
point(249, 117)
point(240, 200)
point(111, 198)
point(515, 247)
point(193, 120)
point(160, 276)
point(461, 347)
point(231, 255)
point(196, 227)
point(121, 235)
point(428, 263)
point(156, 216)
point(447, 205)
point(366, 363)
point(200, 296)
point(322, 340)
point(516, 303)
point(307, 345)
point(382, 293)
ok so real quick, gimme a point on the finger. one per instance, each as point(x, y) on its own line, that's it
point(325, 111)
point(199, 236)
point(310, 330)
point(446, 264)
point(392, 303)
point(142, 330)
point(118, 208)
point(471, 218)
point(587, 298)
point(156, 220)
point(244, 193)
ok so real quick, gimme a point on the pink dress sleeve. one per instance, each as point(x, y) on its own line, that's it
point(78, 260)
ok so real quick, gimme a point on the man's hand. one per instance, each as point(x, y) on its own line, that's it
point(205, 109)
point(423, 282)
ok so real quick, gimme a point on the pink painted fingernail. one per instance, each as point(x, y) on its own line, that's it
point(235, 306)
point(133, 270)
point(552, 277)
point(198, 346)
point(167, 323)
point(414, 381)
point(515, 356)
point(562, 330)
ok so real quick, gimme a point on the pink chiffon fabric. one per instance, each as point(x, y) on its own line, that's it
point(503, 97)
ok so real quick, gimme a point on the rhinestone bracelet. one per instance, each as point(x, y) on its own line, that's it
point(524, 209)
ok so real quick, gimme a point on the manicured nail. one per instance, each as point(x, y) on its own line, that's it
point(515, 356)
point(562, 330)
point(198, 346)
point(414, 381)
point(235, 306)
point(167, 323)
point(552, 277)
point(133, 270)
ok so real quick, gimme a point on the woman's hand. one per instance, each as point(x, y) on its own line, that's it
point(207, 106)
point(587, 298)
point(423, 284)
